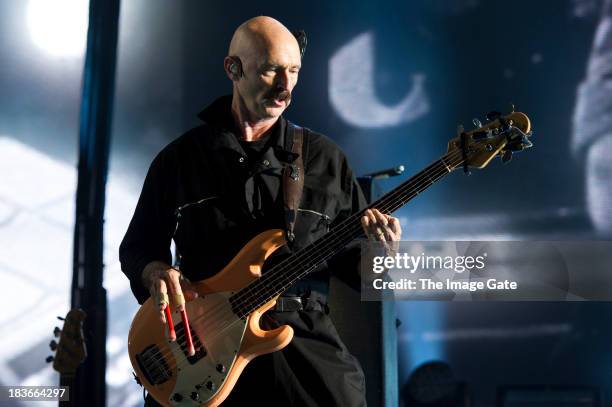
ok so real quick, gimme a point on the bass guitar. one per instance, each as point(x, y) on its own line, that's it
point(224, 319)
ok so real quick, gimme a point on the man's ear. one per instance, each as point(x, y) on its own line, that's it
point(233, 67)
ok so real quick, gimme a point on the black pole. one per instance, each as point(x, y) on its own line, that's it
point(94, 142)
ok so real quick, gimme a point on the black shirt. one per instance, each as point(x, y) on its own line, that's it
point(261, 198)
point(211, 196)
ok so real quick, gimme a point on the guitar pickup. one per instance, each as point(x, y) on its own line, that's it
point(200, 351)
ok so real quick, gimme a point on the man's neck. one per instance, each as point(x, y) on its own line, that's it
point(250, 129)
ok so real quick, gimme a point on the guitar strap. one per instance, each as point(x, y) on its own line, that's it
point(293, 177)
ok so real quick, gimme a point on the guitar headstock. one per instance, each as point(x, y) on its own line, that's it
point(70, 350)
point(501, 135)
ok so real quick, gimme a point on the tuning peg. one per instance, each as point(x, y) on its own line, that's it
point(49, 359)
point(53, 345)
point(477, 122)
point(506, 156)
point(56, 332)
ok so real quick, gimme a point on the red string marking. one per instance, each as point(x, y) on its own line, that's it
point(171, 332)
point(190, 347)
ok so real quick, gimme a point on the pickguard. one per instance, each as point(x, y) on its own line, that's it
point(220, 332)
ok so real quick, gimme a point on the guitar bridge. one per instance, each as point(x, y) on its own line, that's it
point(153, 365)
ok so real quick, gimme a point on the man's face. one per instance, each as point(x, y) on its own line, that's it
point(268, 80)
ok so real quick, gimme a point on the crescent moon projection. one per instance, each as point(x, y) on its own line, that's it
point(352, 94)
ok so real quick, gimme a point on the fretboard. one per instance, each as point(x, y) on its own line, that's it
point(282, 276)
point(68, 381)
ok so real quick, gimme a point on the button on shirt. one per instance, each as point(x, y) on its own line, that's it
point(263, 183)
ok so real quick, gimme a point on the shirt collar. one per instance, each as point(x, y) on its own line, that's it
point(219, 117)
point(218, 114)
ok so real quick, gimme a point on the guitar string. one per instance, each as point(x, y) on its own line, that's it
point(391, 201)
point(347, 224)
point(247, 291)
point(286, 279)
point(381, 204)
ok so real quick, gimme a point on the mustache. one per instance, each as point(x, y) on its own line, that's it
point(282, 95)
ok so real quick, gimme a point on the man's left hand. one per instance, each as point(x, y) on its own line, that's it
point(381, 227)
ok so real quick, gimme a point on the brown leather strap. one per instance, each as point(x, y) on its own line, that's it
point(293, 180)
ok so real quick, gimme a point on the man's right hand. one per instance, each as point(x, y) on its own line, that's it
point(165, 282)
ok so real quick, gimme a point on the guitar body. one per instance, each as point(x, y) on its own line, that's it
point(224, 342)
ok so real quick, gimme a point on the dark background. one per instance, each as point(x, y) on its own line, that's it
point(472, 57)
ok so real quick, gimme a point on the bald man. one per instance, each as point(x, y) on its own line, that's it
point(220, 184)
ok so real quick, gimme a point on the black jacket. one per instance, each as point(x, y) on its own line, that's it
point(204, 191)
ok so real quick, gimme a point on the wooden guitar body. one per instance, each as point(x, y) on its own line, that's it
point(224, 342)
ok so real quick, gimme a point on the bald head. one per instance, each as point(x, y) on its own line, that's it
point(263, 64)
point(260, 35)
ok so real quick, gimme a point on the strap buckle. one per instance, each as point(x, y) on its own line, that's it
point(294, 173)
point(288, 304)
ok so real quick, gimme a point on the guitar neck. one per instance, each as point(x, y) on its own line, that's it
point(68, 381)
point(286, 273)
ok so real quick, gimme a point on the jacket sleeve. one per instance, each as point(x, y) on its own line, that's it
point(150, 231)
